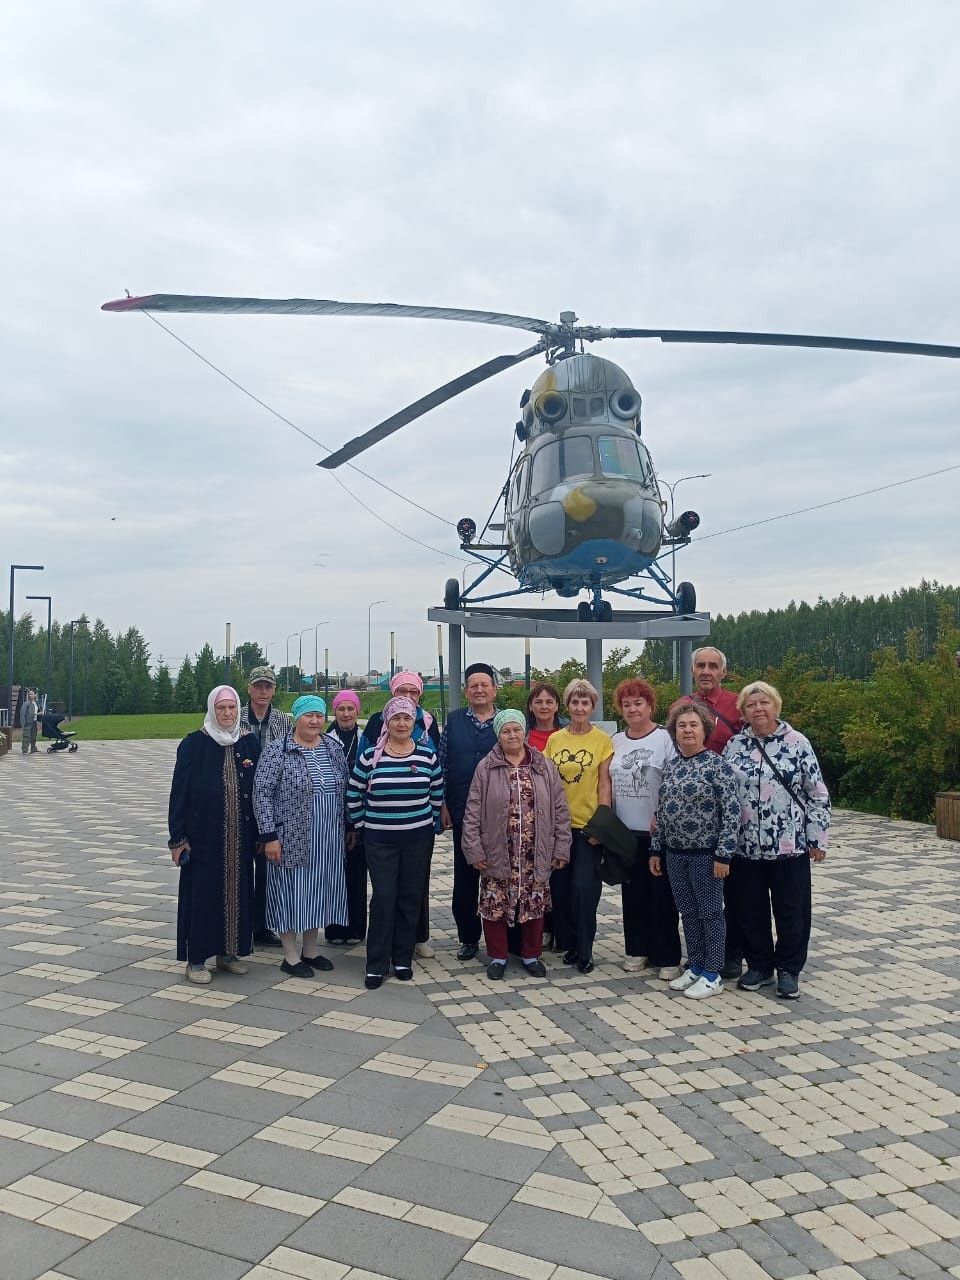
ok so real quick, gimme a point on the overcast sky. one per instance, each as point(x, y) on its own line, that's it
point(743, 165)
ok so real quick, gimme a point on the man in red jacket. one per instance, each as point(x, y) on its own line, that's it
point(709, 669)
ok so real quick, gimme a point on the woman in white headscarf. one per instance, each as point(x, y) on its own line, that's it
point(212, 836)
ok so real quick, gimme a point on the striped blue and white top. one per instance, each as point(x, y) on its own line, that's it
point(399, 799)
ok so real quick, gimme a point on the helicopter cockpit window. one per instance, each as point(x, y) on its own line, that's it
point(561, 460)
point(520, 484)
point(598, 407)
point(621, 459)
point(579, 407)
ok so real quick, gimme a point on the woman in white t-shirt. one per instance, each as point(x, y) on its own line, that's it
point(651, 933)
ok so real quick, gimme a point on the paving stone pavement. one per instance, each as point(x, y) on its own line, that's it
point(268, 1128)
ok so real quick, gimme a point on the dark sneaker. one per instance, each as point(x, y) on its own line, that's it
point(731, 969)
point(754, 979)
point(535, 969)
point(403, 974)
point(570, 957)
point(467, 951)
point(495, 971)
point(788, 985)
point(372, 981)
point(585, 966)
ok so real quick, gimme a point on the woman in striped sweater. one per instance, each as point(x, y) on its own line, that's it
point(394, 797)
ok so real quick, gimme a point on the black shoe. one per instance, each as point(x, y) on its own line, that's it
point(403, 974)
point(731, 969)
point(571, 957)
point(299, 970)
point(266, 938)
point(372, 981)
point(467, 950)
point(584, 966)
point(788, 986)
point(535, 969)
point(754, 979)
point(495, 971)
point(318, 962)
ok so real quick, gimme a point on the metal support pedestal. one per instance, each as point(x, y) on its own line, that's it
point(563, 624)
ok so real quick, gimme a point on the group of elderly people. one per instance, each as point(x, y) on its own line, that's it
point(713, 819)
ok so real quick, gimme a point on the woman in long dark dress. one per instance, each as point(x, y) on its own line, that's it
point(346, 729)
point(212, 838)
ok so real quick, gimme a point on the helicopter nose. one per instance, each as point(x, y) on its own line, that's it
point(579, 506)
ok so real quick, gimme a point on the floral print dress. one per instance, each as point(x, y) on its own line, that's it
point(522, 897)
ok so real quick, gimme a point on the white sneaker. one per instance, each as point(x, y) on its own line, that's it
point(703, 988)
point(686, 979)
point(200, 976)
point(669, 972)
point(633, 964)
point(424, 951)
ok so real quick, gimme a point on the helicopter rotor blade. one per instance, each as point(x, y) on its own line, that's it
point(419, 407)
point(181, 303)
point(790, 340)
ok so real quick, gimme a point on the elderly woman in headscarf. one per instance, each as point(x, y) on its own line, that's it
point(299, 801)
point(345, 727)
point(394, 798)
point(212, 839)
point(516, 831)
point(407, 684)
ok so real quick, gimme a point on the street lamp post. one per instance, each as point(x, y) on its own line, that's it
point(704, 475)
point(49, 601)
point(13, 572)
point(73, 623)
point(316, 654)
point(373, 604)
point(266, 652)
point(289, 638)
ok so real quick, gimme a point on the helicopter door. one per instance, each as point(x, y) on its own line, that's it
point(516, 508)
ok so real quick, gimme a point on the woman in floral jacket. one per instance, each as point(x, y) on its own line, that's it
point(784, 819)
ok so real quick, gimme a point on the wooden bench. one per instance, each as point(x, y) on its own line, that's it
point(948, 815)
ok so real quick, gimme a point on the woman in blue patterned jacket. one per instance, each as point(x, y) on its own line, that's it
point(696, 828)
point(784, 819)
point(299, 801)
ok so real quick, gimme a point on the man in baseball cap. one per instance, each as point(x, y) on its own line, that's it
point(259, 716)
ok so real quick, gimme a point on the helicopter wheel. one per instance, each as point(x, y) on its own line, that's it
point(604, 611)
point(584, 612)
point(686, 601)
point(451, 594)
point(74, 746)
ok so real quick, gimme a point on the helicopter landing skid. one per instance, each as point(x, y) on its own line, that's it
point(658, 590)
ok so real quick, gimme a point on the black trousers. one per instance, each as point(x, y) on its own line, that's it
point(355, 873)
point(576, 890)
point(466, 892)
point(782, 884)
point(397, 873)
point(259, 893)
point(423, 921)
point(650, 918)
point(734, 947)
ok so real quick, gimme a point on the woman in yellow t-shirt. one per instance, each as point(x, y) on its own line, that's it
point(582, 754)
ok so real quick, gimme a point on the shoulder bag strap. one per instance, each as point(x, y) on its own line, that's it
point(781, 779)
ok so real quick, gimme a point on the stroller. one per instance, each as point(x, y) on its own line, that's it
point(50, 728)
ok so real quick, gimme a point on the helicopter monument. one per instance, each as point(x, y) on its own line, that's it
point(582, 510)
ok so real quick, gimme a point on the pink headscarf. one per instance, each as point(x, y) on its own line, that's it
point(346, 695)
point(411, 677)
point(395, 707)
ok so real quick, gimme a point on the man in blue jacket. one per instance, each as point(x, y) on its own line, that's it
point(467, 737)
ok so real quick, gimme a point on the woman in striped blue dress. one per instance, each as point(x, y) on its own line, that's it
point(394, 797)
point(299, 803)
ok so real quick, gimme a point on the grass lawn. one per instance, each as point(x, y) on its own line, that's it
point(111, 728)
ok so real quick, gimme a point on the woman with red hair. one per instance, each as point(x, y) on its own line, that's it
point(651, 934)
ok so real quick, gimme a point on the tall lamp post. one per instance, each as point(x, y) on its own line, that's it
point(13, 572)
point(73, 623)
point(49, 601)
point(370, 608)
point(316, 656)
point(703, 475)
point(289, 638)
